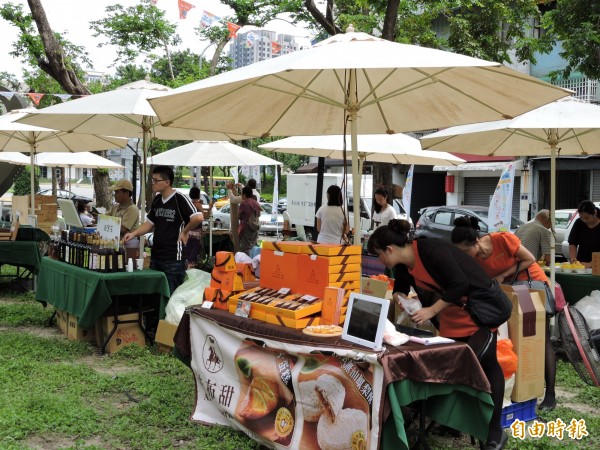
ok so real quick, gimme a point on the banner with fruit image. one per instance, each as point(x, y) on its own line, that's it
point(285, 395)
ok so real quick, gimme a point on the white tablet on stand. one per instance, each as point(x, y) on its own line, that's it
point(365, 320)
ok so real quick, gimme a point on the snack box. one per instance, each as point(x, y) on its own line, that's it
point(245, 269)
point(229, 281)
point(298, 323)
point(345, 276)
point(345, 259)
point(323, 264)
point(294, 247)
point(333, 250)
point(259, 297)
point(348, 285)
point(225, 262)
point(303, 310)
point(254, 313)
point(217, 295)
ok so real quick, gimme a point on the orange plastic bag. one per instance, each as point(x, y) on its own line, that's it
point(507, 357)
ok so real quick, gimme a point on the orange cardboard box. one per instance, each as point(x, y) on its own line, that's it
point(312, 275)
point(297, 313)
point(332, 250)
point(254, 312)
point(353, 286)
point(343, 268)
point(225, 262)
point(278, 269)
point(294, 247)
point(346, 259)
point(216, 277)
point(345, 276)
point(232, 281)
point(293, 323)
point(219, 296)
point(246, 270)
point(332, 305)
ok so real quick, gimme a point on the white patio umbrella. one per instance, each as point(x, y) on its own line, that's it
point(14, 158)
point(20, 137)
point(568, 124)
point(78, 160)
point(379, 86)
point(211, 154)
point(125, 112)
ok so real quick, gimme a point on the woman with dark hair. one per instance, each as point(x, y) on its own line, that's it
point(501, 254)
point(436, 265)
point(584, 238)
point(331, 221)
point(384, 212)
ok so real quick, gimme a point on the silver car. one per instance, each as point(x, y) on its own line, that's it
point(269, 223)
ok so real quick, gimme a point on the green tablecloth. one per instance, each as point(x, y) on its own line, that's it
point(21, 253)
point(87, 294)
point(457, 406)
point(575, 286)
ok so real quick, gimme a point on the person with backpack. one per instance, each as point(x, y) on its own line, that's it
point(249, 214)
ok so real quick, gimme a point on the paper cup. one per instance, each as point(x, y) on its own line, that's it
point(139, 263)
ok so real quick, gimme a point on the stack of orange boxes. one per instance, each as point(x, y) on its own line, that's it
point(225, 280)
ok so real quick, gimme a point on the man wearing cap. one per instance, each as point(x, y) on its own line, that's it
point(124, 206)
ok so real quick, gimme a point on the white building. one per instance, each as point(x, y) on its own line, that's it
point(258, 45)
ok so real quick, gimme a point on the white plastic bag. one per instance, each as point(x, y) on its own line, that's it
point(589, 306)
point(189, 293)
point(509, 384)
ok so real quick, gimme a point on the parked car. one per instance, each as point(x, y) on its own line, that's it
point(282, 205)
point(562, 219)
point(222, 218)
point(438, 221)
point(62, 193)
point(565, 242)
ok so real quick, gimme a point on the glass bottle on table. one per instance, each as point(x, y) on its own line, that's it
point(101, 256)
point(121, 263)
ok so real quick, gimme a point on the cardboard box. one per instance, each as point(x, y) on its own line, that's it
point(346, 259)
point(232, 281)
point(219, 296)
point(125, 334)
point(255, 313)
point(225, 262)
point(350, 286)
point(293, 323)
point(332, 306)
point(164, 336)
point(294, 247)
point(78, 333)
point(62, 319)
point(278, 269)
point(297, 313)
point(373, 287)
point(527, 331)
point(332, 250)
point(596, 263)
point(245, 269)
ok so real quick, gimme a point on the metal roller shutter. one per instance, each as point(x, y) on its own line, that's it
point(479, 191)
point(595, 185)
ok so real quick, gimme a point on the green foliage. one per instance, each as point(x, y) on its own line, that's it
point(137, 30)
point(9, 81)
point(574, 23)
point(22, 185)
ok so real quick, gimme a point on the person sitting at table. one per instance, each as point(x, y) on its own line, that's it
point(584, 238)
point(501, 254)
point(172, 215)
point(86, 218)
point(384, 212)
point(331, 220)
point(436, 265)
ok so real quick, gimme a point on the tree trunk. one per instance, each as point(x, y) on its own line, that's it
point(168, 53)
point(54, 63)
point(215, 59)
point(390, 21)
point(101, 183)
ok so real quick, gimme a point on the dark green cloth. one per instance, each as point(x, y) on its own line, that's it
point(457, 406)
point(575, 286)
point(87, 294)
point(21, 253)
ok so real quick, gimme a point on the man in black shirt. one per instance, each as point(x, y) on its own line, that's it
point(172, 215)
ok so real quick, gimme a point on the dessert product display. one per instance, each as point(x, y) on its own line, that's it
point(347, 431)
point(323, 330)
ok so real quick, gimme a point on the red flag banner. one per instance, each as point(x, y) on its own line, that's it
point(184, 7)
point(276, 47)
point(35, 97)
point(233, 29)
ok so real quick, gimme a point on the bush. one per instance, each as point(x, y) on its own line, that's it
point(22, 185)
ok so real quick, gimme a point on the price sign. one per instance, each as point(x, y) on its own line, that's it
point(109, 228)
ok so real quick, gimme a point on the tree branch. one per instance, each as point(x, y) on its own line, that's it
point(327, 23)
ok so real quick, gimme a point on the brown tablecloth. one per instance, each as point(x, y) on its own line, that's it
point(449, 363)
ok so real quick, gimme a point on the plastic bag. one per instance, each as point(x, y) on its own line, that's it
point(509, 384)
point(589, 306)
point(189, 293)
point(507, 358)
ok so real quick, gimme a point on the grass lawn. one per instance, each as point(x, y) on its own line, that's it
point(60, 394)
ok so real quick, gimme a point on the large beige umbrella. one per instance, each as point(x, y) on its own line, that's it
point(32, 139)
point(124, 111)
point(568, 124)
point(14, 158)
point(377, 85)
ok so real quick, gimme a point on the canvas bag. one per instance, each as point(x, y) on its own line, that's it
point(253, 221)
point(539, 286)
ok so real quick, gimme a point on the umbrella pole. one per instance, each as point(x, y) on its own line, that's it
point(352, 111)
point(210, 239)
point(553, 140)
point(143, 179)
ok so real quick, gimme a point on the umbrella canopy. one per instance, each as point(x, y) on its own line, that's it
point(378, 85)
point(211, 154)
point(570, 124)
point(124, 111)
point(386, 148)
point(14, 158)
point(78, 160)
point(32, 139)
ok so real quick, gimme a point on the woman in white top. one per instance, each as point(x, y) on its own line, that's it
point(384, 212)
point(331, 221)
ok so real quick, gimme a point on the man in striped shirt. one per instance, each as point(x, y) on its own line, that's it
point(535, 235)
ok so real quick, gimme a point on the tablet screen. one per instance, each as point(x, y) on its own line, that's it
point(364, 320)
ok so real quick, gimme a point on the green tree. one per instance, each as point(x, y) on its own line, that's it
point(576, 25)
point(137, 30)
point(22, 185)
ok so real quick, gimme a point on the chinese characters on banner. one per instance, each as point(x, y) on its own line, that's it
point(500, 211)
point(285, 395)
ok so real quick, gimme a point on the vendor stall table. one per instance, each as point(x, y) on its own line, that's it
point(25, 255)
point(447, 378)
point(575, 286)
point(87, 294)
